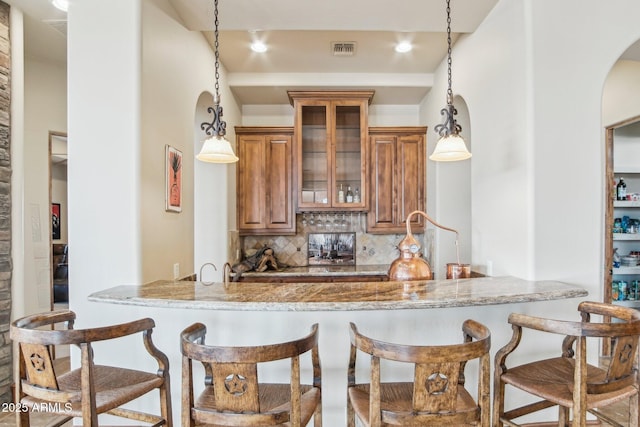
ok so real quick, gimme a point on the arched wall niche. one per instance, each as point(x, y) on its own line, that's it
point(453, 203)
point(213, 242)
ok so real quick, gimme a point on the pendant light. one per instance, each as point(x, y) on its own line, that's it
point(216, 148)
point(451, 146)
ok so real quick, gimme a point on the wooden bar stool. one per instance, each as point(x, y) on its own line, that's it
point(233, 394)
point(436, 397)
point(568, 381)
point(92, 389)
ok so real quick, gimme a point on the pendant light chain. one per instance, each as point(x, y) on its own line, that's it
point(217, 127)
point(449, 91)
point(450, 125)
point(216, 45)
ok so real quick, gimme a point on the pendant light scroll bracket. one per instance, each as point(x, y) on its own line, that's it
point(217, 127)
point(449, 125)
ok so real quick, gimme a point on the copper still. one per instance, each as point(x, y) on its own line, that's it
point(411, 266)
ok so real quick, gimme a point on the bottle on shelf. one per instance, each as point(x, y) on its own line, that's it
point(340, 195)
point(621, 190)
point(356, 196)
point(616, 258)
point(349, 194)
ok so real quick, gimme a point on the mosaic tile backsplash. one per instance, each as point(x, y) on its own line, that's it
point(371, 249)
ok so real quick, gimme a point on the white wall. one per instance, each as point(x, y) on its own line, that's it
point(172, 86)
point(283, 115)
point(118, 129)
point(534, 97)
point(492, 81)
point(620, 100)
point(627, 152)
point(17, 163)
point(532, 76)
point(104, 146)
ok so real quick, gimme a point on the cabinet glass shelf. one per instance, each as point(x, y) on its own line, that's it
point(627, 270)
point(626, 236)
point(626, 204)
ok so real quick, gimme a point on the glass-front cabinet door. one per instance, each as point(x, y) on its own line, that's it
point(331, 150)
point(314, 176)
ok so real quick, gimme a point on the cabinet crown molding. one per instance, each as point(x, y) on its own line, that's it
point(330, 95)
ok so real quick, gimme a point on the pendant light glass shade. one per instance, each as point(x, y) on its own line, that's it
point(217, 150)
point(450, 148)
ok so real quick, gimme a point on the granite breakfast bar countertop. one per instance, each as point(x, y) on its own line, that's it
point(251, 313)
point(338, 296)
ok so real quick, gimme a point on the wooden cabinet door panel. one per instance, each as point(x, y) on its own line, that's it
point(279, 181)
point(410, 167)
point(383, 211)
point(397, 178)
point(251, 183)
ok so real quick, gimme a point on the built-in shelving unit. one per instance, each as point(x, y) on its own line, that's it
point(623, 161)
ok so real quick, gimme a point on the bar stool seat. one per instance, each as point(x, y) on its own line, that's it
point(109, 383)
point(274, 401)
point(397, 398)
point(436, 397)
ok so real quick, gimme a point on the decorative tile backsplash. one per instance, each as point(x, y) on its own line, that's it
point(371, 249)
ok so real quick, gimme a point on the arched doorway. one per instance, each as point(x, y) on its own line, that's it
point(621, 119)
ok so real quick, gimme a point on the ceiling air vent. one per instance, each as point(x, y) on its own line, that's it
point(343, 48)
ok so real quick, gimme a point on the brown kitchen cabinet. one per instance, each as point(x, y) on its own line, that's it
point(397, 184)
point(330, 143)
point(264, 181)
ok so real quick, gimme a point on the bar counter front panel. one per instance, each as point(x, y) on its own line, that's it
point(422, 313)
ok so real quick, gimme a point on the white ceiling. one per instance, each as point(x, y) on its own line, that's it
point(299, 34)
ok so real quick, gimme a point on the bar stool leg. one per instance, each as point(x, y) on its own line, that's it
point(633, 410)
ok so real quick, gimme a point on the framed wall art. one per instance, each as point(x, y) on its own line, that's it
point(173, 179)
point(55, 221)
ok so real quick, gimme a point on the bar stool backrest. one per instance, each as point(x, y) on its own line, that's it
point(438, 373)
point(231, 374)
point(36, 346)
point(621, 371)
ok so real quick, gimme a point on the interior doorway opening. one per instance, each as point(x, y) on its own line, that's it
point(58, 228)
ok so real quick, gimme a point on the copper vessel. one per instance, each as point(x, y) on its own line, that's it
point(458, 271)
point(410, 265)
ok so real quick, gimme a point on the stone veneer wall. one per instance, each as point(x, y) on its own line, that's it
point(371, 249)
point(5, 206)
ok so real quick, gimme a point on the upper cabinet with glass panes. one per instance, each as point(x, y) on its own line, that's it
point(330, 146)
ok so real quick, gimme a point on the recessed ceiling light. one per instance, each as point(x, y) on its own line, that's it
point(258, 46)
point(403, 47)
point(63, 5)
